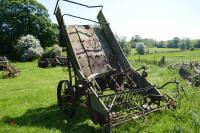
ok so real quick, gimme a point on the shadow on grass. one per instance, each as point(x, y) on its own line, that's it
point(52, 118)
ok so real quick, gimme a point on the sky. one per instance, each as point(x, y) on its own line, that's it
point(157, 19)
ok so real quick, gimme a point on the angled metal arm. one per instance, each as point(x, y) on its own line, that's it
point(80, 18)
point(99, 6)
point(178, 87)
point(76, 3)
point(170, 82)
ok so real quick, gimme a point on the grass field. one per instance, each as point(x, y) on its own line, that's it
point(170, 56)
point(28, 103)
point(158, 50)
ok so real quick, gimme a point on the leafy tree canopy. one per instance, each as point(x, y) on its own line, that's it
point(22, 17)
point(124, 44)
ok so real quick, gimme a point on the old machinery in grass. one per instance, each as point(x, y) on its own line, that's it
point(7, 68)
point(191, 73)
point(44, 62)
point(115, 92)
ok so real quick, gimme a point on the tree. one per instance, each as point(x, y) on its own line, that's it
point(126, 47)
point(52, 52)
point(140, 47)
point(161, 44)
point(188, 44)
point(185, 44)
point(197, 45)
point(149, 42)
point(182, 45)
point(174, 43)
point(137, 38)
point(22, 17)
point(134, 40)
point(28, 48)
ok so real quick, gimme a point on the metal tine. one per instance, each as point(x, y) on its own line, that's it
point(124, 100)
point(106, 100)
point(122, 104)
point(109, 101)
point(121, 116)
point(112, 102)
point(127, 99)
point(119, 101)
point(132, 100)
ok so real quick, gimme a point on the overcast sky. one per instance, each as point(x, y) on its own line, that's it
point(157, 19)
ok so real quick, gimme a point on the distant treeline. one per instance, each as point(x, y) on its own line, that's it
point(176, 42)
point(142, 43)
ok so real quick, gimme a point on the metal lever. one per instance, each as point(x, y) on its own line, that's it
point(80, 4)
point(179, 86)
point(80, 18)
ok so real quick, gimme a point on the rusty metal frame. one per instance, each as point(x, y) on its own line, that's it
point(129, 88)
point(80, 4)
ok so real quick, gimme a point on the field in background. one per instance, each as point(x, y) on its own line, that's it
point(28, 102)
point(171, 56)
point(158, 50)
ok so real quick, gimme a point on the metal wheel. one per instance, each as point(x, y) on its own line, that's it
point(66, 97)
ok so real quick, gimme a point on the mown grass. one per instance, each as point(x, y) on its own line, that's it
point(28, 104)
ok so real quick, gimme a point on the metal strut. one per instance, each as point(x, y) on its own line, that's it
point(80, 18)
point(84, 50)
point(80, 4)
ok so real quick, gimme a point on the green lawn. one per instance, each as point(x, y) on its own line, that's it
point(28, 104)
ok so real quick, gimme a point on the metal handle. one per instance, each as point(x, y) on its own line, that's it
point(80, 4)
point(80, 18)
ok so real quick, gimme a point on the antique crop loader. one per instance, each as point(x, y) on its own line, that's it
point(115, 92)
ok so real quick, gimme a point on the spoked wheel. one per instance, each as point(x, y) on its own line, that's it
point(66, 97)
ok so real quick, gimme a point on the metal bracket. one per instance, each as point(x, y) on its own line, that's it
point(80, 4)
point(178, 84)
